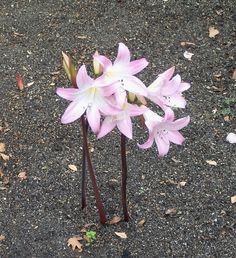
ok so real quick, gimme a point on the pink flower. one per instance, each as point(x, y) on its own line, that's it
point(163, 130)
point(122, 120)
point(88, 97)
point(121, 73)
point(167, 92)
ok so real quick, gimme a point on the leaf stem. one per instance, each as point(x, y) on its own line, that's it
point(92, 174)
point(83, 181)
point(124, 177)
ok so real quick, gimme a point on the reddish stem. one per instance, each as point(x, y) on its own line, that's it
point(92, 174)
point(124, 177)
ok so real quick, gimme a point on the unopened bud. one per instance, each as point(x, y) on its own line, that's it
point(96, 65)
point(69, 68)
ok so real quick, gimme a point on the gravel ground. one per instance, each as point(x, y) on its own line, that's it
point(40, 213)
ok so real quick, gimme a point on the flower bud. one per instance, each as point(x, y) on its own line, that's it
point(69, 68)
point(96, 65)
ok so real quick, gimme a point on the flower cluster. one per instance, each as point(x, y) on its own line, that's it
point(117, 95)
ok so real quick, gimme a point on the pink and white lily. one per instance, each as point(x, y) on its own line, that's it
point(122, 120)
point(163, 130)
point(167, 92)
point(121, 73)
point(87, 98)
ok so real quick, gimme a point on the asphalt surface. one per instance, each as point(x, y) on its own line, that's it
point(40, 213)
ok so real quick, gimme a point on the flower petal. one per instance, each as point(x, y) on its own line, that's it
point(171, 87)
point(147, 144)
point(184, 86)
point(169, 115)
point(105, 106)
point(67, 93)
point(123, 56)
point(177, 101)
point(134, 85)
point(135, 110)
point(104, 61)
point(168, 73)
point(74, 111)
point(231, 138)
point(107, 126)
point(178, 124)
point(163, 145)
point(82, 78)
point(125, 127)
point(93, 116)
point(137, 66)
point(175, 137)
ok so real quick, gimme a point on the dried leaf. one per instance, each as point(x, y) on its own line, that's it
point(55, 73)
point(29, 84)
point(1, 173)
point(213, 32)
point(74, 243)
point(81, 37)
point(211, 162)
point(22, 175)
point(18, 34)
point(141, 222)
point(2, 237)
point(234, 74)
point(188, 55)
point(182, 183)
point(5, 181)
point(171, 211)
point(227, 118)
point(233, 199)
point(72, 167)
point(4, 156)
point(187, 43)
point(2, 147)
point(121, 235)
point(115, 220)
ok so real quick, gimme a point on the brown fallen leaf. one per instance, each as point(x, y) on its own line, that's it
point(74, 243)
point(72, 167)
point(141, 222)
point(171, 211)
point(115, 220)
point(121, 235)
point(213, 32)
point(234, 74)
point(211, 162)
point(22, 175)
point(227, 118)
point(2, 147)
point(2, 237)
point(233, 199)
point(1, 173)
point(4, 156)
point(5, 181)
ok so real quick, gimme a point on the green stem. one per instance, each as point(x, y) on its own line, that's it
point(92, 174)
point(124, 177)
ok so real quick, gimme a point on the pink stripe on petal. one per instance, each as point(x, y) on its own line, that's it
point(123, 56)
point(171, 87)
point(93, 116)
point(169, 115)
point(168, 73)
point(178, 124)
point(137, 66)
point(107, 126)
point(125, 127)
point(175, 137)
point(135, 110)
point(67, 93)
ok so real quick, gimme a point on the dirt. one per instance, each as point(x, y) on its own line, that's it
point(38, 214)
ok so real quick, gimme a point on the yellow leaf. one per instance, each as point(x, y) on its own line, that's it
point(74, 243)
point(22, 175)
point(115, 220)
point(211, 162)
point(2, 147)
point(213, 32)
point(233, 199)
point(4, 157)
point(72, 167)
point(121, 235)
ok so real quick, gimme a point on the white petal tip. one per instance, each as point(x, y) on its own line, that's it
point(231, 138)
